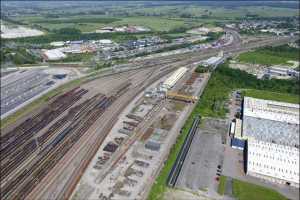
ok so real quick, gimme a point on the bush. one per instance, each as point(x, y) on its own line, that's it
point(201, 69)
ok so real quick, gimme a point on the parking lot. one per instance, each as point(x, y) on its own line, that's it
point(21, 86)
point(200, 167)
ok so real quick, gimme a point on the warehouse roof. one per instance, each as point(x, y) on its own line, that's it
point(270, 130)
point(273, 160)
point(54, 54)
point(170, 82)
point(272, 110)
point(212, 60)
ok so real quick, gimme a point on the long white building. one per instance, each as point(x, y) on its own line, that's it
point(171, 81)
point(271, 121)
point(273, 162)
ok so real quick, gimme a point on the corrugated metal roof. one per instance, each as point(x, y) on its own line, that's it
point(171, 81)
point(272, 110)
point(273, 160)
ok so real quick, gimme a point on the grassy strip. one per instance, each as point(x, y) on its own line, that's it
point(249, 191)
point(262, 94)
point(222, 184)
point(38, 102)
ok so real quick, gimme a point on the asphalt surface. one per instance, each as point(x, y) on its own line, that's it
point(201, 163)
point(21, 86)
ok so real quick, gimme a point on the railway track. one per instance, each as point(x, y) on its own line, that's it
point(28, 179)
point(136, 88)
point(175, 171)
point(18, 144)
point(20, 186)
point(190, 61)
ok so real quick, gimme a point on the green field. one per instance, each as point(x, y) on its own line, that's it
point(154, 23)
point(270, 55)
point(217, 12)
point(262, 58)
point(262, 94)
point(248, 191)
point(222, 184)
point(89, 23)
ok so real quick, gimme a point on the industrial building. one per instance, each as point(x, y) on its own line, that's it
point(215, 60)
point(281, 72)
point(171, 81)
point(273, 162)
point(53, 54)
point(271, 121)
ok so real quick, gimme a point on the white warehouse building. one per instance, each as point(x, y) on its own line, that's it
point(273, 162)
point(171, 81)
point(53, 54)
point(271, 121)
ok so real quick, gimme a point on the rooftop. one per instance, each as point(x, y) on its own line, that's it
point(273, 160)
point(272, 110)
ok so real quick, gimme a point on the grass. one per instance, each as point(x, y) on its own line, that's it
point(263, 94)
point(154, 23)
point(82, 57)
point(248, 191)
point(91, 23)
point(222, 184)
point(83, 27)
point(37, 103)
point(262, 58)
point(218, 11)
point(270, 55)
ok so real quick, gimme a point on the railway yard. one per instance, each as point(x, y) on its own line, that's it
point(107, 138)
point(136, 145)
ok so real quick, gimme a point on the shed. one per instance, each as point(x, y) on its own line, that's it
point(237, 143)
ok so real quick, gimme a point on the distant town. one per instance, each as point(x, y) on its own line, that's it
point(153, 100)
